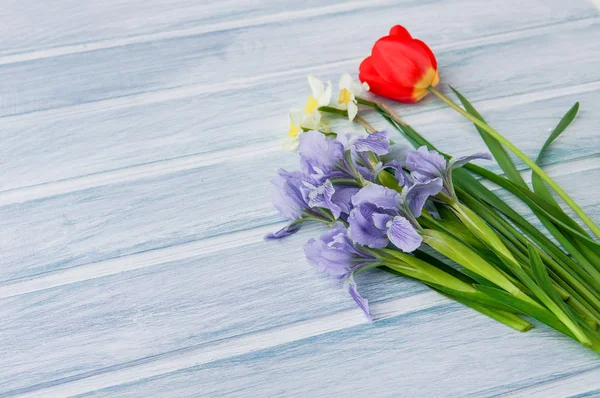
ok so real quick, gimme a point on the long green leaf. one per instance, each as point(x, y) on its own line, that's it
point(540, 274)
point(547, 294)
point(580, 249)
point(539, 313)
point(497, 150)
point(505, 316)
point(533, 201)
point(538, 185)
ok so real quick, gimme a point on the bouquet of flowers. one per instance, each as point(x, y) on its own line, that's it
point(423, 214)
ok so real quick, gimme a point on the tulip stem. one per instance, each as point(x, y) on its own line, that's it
point(538, 170)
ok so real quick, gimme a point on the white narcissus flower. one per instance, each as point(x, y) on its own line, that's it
point(349, 90)
point(321, 95)
point(299, 121)
point(310, 118)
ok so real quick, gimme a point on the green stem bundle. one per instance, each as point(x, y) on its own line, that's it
point(530, 273)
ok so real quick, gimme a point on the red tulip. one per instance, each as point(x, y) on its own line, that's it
point(400, 67)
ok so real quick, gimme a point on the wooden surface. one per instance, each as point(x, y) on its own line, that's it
point(138, 139)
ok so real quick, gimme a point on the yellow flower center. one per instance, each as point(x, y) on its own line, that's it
point(345, 96)
point(294, 130)
point(311, 105)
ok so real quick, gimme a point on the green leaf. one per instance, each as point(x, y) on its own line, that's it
point(456, 251)
point(539, 313)
point(535, 202)
point(545, 291)
point(423, 271)
point(560, 127)
point(477, 278)
point(389, 181)
point(505, 316)
point(497, 150)
point(422, 255)
point(552, 255)
point(580, 249)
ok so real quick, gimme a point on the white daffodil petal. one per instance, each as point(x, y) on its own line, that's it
point(296, 116)
point(346, 82)
point(325, 98)
point(290, 144)
point(312, 121)
point(316, 86)
point(352, 110)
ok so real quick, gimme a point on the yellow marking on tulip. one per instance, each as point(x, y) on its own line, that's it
point(429, 79)
point(311, 105)
point(294, 131)
point(345, 96)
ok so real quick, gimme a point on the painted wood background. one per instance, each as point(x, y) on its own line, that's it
point(138, 139)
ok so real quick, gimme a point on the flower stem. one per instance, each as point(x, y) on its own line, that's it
point(384, 108)
point(360, 120)
point(538, 170)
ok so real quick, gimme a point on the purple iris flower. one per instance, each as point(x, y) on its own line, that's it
point(381, 215)
point(328, 158)
point(425, 165)
point(310, 191)
point(286, 194)
point(327, 173)
point(378, 142)
point(318, 153)
point(334, 253)
point(337, 198)
point(375, 220)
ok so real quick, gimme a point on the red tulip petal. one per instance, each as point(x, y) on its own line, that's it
point(400, 31)
point(429, 52)
point(400, 62)
point(368, 74)
point(401, 94)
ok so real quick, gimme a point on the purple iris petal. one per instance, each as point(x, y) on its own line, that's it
point(416, 195)
point(325, 259)
point(318, 151)
point(378, 143)
point(378, 195)
point(425, 165)
point(381, 220)
point(321, 196)
point(362, 302)
point(336, 198)
point(362, 229)
point(334, 253)
point(461, 161)
point(286, 194)
point(402, 234)
point(342, 197)
point(283, 232)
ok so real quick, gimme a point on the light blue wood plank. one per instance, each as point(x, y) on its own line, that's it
point(217, 57)
point(96, 224)
point(60, 144)
point(97, 326)
point(70, 330)
point(447, 351)
point(80, 26)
